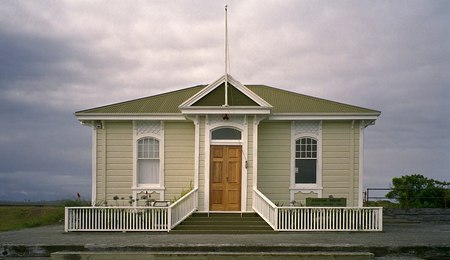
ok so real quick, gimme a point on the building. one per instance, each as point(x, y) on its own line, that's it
point(230, 143)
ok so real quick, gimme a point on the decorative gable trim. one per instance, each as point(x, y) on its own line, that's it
point(188, 107)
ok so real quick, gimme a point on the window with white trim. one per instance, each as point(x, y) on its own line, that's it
point(148, 161)
point(306, 161)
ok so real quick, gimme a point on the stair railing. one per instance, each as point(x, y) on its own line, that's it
point(182, 208)
point(265, 208)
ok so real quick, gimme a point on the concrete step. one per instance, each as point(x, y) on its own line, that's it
point(223, 227)
point(213, 255)
point(223, 223)
point(220, 232)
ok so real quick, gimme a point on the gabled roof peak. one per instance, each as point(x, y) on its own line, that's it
point(210, 97)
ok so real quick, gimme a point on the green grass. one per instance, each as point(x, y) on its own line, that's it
point(383, 203)
point(23, 216)
point(18, 217)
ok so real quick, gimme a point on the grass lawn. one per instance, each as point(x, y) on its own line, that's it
point(18, 217)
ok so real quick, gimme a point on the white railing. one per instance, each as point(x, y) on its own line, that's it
point(183, 208)
point(317, 218)
point(329, 219)
point(116, 219)
point(130, 218)
point(265, 208)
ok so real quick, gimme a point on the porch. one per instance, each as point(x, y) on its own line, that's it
point(168, 217)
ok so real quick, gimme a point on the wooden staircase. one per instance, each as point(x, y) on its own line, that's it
point(223, 223)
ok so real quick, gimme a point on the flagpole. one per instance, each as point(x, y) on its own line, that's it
point(226, 56)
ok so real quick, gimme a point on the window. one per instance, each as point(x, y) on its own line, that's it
point(226, 134)
point(148, 163)
point(306, 161)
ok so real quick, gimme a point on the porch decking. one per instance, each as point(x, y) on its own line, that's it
point(278, 218)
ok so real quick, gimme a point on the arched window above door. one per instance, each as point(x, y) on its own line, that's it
point(226, 133)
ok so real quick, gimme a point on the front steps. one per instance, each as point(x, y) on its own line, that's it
point(223, 223)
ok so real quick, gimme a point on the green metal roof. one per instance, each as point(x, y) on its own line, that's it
point(166, 103)
point(287, 102)
point(283, 102)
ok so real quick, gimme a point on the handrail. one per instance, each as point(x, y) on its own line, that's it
point(264, 198)
point(182, 198)
point(265, 208)
point(182, 208)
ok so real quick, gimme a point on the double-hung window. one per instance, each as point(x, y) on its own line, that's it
point(306, 161)
point(148, 161)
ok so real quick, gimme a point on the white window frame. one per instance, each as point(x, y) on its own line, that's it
point(300, 130)
point(155, 130)
point(305, 158)
point(158, 184)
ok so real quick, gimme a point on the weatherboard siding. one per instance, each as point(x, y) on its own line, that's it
point(340, 161)
point(340, 158)
point(179, 157)
point(100, 164)
point(274, 155)
point(114, 161)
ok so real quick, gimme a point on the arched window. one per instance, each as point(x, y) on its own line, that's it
point(305, 161)
point(226, 134)
point(148, 163)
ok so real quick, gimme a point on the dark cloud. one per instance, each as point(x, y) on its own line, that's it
point(64, 56)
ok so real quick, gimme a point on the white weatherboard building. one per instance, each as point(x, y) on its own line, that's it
point(231, 148)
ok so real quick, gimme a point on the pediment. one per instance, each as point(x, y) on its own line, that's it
point(213, 97)
point(216, 97)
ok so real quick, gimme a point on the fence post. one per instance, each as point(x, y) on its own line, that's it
point(169, 219)
point(276, 218)
point(66, 219)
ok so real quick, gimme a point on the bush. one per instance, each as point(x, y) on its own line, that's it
point(417, 191)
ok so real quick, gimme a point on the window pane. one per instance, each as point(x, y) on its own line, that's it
point(306, 170)
point(306, 148)
point(148, 148)
point(226, 134)
point(148, 171)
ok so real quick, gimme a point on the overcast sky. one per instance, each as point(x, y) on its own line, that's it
point(58, 57)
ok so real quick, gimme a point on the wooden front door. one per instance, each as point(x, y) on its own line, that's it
point(225, 178)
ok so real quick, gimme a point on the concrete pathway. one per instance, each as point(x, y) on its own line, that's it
point(398, 239)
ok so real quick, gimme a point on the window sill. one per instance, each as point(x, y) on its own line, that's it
point(306, 188)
